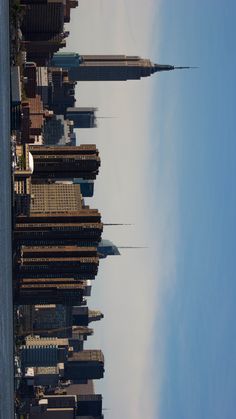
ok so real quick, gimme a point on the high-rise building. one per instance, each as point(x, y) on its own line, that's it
point(84, 215)
point(59, 162)
point(49, 198)
point(59, 233)
point(106, 67)
point(43, 17)
point(48, 317)
point(82, 117)
point(85, 365)
point(54, 263)
point(58, 217)
point(29, 293)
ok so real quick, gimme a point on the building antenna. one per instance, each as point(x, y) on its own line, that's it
point(183, 68)
point(132, 247)
point(117, 224)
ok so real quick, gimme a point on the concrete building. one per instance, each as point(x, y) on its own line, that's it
point(49, 198)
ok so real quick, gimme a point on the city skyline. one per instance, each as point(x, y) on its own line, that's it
point(165, 186)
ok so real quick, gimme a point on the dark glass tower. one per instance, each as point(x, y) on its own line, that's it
point(107, 67)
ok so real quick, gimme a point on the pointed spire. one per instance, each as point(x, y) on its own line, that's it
point(166, 67)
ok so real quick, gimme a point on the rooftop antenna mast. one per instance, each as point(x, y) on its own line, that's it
point(183, 68)
point(132, 247)
point(117, 224)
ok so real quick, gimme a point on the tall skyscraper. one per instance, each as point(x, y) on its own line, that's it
point(55, 263)
point(43, 293)
point(49, 198)
point(48, 233)
point(106, 67)
point(59, 162)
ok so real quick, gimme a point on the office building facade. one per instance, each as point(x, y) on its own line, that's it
point(59, 162)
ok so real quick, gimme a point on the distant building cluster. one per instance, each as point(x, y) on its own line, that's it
point(57, 238)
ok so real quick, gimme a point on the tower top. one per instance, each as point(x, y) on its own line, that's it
point(167, 67)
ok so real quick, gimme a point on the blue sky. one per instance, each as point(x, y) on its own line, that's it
point(197, 314)
point(168, 166)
